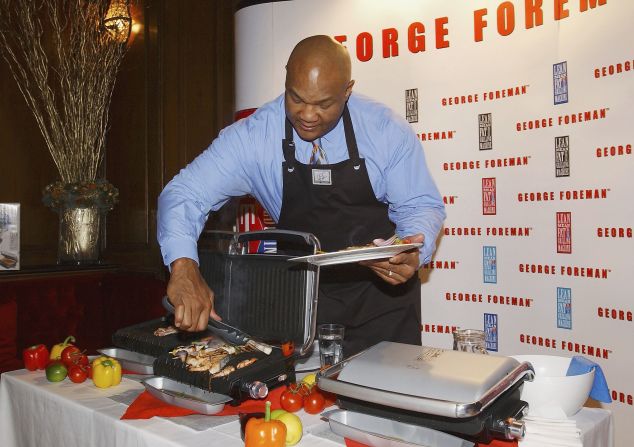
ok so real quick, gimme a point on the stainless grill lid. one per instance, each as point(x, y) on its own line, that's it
point(424, 379)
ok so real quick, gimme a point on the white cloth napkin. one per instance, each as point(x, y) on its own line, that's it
point(553, 429)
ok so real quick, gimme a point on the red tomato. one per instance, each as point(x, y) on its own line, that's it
point(77, 374)
point(82, 360)
point(291, 400)
point(300, 388)
point(314, 403)
point(69, 355)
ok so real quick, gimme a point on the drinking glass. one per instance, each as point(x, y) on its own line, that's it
point(330, 344)
point(469, 340)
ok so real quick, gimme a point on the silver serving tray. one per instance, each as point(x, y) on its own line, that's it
point(186, 396)
point(130, 360)
point(424, 379)
point(379, 432)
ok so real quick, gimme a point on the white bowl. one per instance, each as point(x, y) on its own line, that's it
point(551, 388)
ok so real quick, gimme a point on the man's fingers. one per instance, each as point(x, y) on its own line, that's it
point(214, 315)
point(179, 311)
point(186, 322)
point(202, 322)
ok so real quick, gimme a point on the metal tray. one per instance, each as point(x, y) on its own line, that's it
point(380, 432)
point(132, 361)
point(186, 396)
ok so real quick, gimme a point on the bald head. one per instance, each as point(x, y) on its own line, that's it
point(318, 56)
point(318, 84)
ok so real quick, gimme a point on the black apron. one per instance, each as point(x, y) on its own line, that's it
point(336, 203)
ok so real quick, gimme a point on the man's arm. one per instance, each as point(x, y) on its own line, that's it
point(415, 205)
point(202, 187)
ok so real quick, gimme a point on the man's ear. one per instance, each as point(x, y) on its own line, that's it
point(349, 88)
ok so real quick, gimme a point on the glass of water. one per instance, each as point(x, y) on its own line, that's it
point(330, 344)
point(469, 340)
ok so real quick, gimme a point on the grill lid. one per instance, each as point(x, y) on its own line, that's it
point(424, 379)
point(262, 296)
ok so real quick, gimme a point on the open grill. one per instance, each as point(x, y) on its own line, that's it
point(265, 297)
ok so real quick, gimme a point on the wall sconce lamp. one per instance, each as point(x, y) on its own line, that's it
point(118, 21)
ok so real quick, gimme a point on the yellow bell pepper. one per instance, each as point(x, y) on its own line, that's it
point(106, 372)
point(56, 350)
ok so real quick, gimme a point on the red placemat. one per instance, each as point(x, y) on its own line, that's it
point(146, 406)
point(351, 443)
point(498, 443)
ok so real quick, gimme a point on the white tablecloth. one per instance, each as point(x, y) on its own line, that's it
point(35, 412)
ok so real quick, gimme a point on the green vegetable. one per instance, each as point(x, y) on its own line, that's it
point(56, 372)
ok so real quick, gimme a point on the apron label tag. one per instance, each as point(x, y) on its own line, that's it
point(322, 177)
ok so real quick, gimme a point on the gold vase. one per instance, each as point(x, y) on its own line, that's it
point(79, 230)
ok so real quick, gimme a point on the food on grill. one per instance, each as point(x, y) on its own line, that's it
point(224, 372)
point(260, 346)
point(163, 331)
point(245, 363)
point(214, 356)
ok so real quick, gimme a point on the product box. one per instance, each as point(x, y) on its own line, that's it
point(9, 236)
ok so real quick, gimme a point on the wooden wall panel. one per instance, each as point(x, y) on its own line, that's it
point(173, 95)
point(26, 167)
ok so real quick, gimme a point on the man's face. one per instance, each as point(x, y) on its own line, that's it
point(314, 102)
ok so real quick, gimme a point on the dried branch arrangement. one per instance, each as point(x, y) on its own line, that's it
point(64, 58)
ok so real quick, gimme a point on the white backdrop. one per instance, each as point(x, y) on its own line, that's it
point(525, 116)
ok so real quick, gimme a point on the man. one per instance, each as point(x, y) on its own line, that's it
point(322, 160)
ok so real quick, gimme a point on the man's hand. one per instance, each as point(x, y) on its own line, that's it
point(192, 298)
point(398, 269)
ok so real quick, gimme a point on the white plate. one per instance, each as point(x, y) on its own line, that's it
point(356, 254)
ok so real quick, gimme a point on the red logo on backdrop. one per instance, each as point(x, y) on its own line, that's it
point(488, 196)
point(564, 232)
point(252, 217)
point(243, 113)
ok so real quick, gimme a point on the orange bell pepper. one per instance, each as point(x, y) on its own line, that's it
point(265, 432)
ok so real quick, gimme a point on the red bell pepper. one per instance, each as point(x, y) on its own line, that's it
point(35, 357)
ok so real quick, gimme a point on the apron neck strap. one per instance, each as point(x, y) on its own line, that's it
point(351, 141)
point(288, 146)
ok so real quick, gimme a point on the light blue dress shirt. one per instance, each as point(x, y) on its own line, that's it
point(247, 157)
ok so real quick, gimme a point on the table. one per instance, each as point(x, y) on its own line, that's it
point(35, 412)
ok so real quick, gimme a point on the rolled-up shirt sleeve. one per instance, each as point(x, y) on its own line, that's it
point(205, 185)
point(416, 206)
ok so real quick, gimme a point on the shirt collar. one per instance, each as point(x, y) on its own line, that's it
point(330, 137)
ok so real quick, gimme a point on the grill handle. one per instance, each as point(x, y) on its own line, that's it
point(280, 235)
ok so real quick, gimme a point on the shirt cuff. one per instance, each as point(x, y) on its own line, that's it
point(179, 248)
